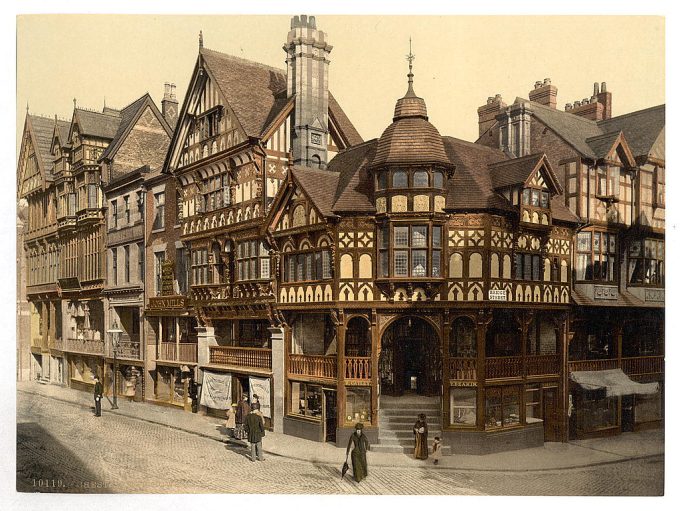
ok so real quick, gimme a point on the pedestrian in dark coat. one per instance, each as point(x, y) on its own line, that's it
point(420, 434)
point(98, 392)
point(361, 445)
point(242, 411)
point(254, 427)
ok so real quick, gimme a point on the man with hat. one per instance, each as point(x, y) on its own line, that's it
point(254, 428)
point(361, 445)
point(98, 392)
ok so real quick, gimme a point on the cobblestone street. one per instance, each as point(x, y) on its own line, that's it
point(62, 447)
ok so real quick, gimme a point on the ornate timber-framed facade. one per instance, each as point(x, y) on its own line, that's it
point(511, 288)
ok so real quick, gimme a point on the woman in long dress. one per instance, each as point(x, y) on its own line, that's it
point(361, 445)
point(420, 434)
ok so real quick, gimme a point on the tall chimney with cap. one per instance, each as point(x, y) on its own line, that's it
point(596, 108)
point(169, 105)
point(487, 113)
point(544, 93)
point(605, 98)
point(307, 52)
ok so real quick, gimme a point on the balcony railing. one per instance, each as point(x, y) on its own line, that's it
point(358, 368)
point(178, 352)
point(36, 342)
point(209, 292)
point(593, 365)
point(642, 365)
point(93, 346)
point(128, 347)
point(463, 368)
point(258, 358)
point(313, 365)
point(542, 364)
point(57, 344)
point(503, 367)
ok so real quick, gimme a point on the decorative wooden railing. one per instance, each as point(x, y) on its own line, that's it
point(57, 344)
point(358, 368)
point(209, 292)
point(642, 365)
point(128, 347)
point(313, 365)
point(463, 368)
point(36, 342)
point(503, 367)
point(593, 365)
point(542, 364)
point(259, 358)
point(93, 346)
point(178, 352)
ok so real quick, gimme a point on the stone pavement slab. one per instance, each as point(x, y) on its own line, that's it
point(552, 456)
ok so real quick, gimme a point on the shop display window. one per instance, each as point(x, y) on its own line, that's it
point(358, 405)
point(595, 412)
point(648, 408)
point(502, 407)
point(305, 399)
point(463, 406)
point(532, 402)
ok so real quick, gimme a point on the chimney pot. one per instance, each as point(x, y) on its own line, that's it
point(603, 87)
point(568, 106)
point(546, 81)
point(538, 84)
point(577, 104)
point(585, 101)
point(489, 100)
point(596, 89)
point(498, 97)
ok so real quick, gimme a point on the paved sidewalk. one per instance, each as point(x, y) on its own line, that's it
point(552, 456)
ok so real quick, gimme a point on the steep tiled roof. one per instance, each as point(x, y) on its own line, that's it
point(98, 124)
point(471, 186)
point(513, 172)
point(43, 128)
point(319, 185)
point(257, 93)
point(640, 128)
point(560, 211)
point(128, 115)
point(62, 131)
point(572, 128)
point(355, 184)
point(602, 143)
point(343, 122)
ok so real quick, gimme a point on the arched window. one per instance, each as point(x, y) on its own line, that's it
point(399, 179)
point(382, 180)
point(421, 179)
point(437, 179)
point(358, 338)
point(316, 161)
point(463, 341)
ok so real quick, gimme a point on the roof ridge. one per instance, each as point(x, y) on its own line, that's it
point(92, 111)
point(135, 101)
point(252, 62)
point(550, 109)
point(473, 144)
point(630, 114)
point(365, 142)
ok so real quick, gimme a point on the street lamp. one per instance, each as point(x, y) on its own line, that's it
point(115, 339)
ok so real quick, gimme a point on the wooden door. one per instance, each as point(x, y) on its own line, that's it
point(330, 415)
point(551, 419)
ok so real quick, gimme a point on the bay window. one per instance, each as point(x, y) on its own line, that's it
point(463, 406)
point(252, 260)
point(646, 262)
point(307, 266)
point(216, 193)
point(596, 256)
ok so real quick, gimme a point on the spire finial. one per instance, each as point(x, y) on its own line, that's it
point(410, 57)
point(200, 39)
point(104, 102)
point(26, 106)
point(74, 103)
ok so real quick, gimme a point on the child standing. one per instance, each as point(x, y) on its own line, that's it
point(436, 450)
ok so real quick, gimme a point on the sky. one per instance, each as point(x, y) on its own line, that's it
point(460, 60)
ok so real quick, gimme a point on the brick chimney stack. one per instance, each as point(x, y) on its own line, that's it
point(487, 113)
point(169, 105)
point(595, 108)
point(544, 93)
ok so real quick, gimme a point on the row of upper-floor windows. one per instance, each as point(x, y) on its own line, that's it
point(409, 178)
point(127, 264)
point(126, 210)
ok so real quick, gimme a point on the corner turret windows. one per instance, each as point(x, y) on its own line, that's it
point(416, 251)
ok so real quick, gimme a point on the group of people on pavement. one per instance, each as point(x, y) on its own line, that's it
point(249, 424)
point(358, 445)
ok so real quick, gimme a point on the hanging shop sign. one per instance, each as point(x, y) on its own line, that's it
point(216, 390)
point(261, 387)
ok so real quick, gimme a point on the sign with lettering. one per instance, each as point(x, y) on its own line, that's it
point(605, 293)
point(167, 302)
point(500, 295)
point(167, 278)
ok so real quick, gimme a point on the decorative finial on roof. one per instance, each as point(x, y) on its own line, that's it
point(200, 39)
point(74, 103)
point(26, 106)
point(104, 102)
point(410, 57)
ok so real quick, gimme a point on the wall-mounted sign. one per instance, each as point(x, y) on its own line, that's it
point(500, 295)
point(167, 302)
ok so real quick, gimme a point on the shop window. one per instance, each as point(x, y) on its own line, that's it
point(305, 400)
point(596, 256)
point(463, 341)
point(648, 408)
point(646, 262)
point(463, 406)
point(532, 402)
point(358, 405)
point(502, 407)
point(595, 412)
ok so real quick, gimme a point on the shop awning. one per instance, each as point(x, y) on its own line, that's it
point(615, 381)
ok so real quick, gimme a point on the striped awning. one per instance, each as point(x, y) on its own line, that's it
point(615, 381)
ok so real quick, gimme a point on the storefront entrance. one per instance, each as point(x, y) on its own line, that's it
point(410, 358)
point(329, 414)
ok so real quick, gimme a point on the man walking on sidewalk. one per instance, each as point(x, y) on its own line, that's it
point(254, 427)
point(98, 391)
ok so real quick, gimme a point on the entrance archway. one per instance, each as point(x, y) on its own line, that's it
point(410, 358)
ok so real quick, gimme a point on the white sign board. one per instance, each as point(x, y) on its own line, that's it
point(261, 387)
point(216, 390)
point(498, 295)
